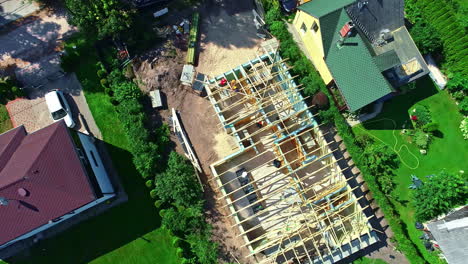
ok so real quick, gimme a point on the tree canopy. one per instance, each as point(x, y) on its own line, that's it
point(178, 183)
point(381, 162)
point(439, 194)
point(105, 18)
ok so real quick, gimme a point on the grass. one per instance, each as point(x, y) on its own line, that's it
point(5, 122)
point(128, 233)
point(448, 151)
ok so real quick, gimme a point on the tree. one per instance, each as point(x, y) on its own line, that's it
point(125, 91)
point(184, 220)
point(425, 38)
point(205, 250)
point(178, 183)
point(381, 162)
point(104, 18)
point(439, 194)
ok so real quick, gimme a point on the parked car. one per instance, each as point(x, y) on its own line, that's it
point(59, 108)
point(288, 5)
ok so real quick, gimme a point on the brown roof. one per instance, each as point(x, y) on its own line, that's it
point(46, 165)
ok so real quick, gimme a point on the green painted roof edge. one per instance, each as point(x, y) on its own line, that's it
point(319, 8)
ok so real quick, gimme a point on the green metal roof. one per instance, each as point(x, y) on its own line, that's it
point(319, 8)
point(387, 60)
point(354, 70)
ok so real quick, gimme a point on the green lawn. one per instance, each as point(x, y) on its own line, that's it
point(128, 233)
point(448, 151)
point(5, 122)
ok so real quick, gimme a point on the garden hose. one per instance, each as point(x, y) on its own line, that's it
point(394, 147)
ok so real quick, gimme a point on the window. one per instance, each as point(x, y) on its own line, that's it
point(303, 28)
point(314, 27)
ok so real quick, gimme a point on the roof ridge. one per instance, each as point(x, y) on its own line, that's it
point(18, 129)
point(39, 153)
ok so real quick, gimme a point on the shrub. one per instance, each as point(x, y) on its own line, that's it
point(363, 140)
point(272, 15)
point(176, 242)
point(125, 91)
point(103, 83)
point(158, 203)
point(439, 194)
point(421, 139)
point(153, 194)
point(423, 116)
point(116, 77)
point(109, 92)
point(178, 184)
point(430, 127)
point(426, 38)
point(463, 105)
point(101, 73)
point(180, 252)
point(464, 127)
point(205, 250)
point(149, 183)
point(9, 90)
point(183, 221)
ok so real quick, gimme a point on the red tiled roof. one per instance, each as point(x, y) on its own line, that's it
point(46, 165)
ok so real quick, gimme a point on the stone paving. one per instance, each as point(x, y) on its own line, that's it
point(32, 112)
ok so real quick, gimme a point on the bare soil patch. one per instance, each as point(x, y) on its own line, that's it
point(227, 39)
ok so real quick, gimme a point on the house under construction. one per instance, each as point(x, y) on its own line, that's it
point(283, 187)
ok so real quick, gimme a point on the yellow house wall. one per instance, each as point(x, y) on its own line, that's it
point(313, 43)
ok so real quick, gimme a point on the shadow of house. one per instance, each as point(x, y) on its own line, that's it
point(104, 233)
point(46, 197)
point(397, 108)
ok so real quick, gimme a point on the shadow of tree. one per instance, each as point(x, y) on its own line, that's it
point(105, 232)
point(397, 108)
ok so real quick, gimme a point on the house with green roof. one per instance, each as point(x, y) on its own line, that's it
point(361, 49)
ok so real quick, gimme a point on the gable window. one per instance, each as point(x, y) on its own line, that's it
point(314, 27)
point(303, 28)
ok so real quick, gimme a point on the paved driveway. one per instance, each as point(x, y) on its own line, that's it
point(32, 112)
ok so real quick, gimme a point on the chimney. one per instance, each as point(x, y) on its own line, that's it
point(345, 32)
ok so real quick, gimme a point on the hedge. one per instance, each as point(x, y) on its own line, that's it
point(313, 82)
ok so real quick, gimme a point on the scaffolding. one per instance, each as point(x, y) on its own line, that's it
point(284, 188)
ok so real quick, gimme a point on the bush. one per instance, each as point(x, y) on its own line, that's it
point(364, 140)
point(463, 105)
point(423, 116)
point(149, 183)
point(101, 73)
point(439, 194)
point(158, 203)
point(426, 38)
point(183, 221)
point(205, 250)
point(430, 127)
point(464, 127)
point(103, 83)
point(153, 194)
point(126, 91)
point(421, 139)
point(178, 184)
point(9, 90)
